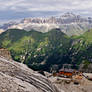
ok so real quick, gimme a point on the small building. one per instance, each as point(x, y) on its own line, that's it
point(66, 71)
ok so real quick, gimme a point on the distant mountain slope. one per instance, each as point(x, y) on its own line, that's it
point(82, 51)
point(41, 51)
point(68, 23)
point(35, 48)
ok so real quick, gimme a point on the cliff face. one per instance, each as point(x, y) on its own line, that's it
point(16, 77)
point(5, 53)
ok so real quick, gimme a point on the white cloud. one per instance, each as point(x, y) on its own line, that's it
point(45, 5)
point(80, 6)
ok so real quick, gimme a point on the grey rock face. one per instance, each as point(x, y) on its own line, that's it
point(5, 53)
point(68, 23)
point(16, 77)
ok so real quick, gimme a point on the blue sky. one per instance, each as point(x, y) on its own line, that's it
point(17, 9)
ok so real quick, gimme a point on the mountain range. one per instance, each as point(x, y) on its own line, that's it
point(69, 23)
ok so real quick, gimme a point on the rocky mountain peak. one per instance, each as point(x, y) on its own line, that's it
point(69, 23)
point(69, 14)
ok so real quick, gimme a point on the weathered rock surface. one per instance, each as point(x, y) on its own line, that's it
point(84, 85)
point(16, 77)
point(5, 53)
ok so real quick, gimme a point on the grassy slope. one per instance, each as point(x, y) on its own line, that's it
point(42, 45)
point(83, 47)
point(48, 49)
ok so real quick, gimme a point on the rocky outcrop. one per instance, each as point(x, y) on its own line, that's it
point(86, 68)
point(5, 53)
point(69, 85)
point(16, 77)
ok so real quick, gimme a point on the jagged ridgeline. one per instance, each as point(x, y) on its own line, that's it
point(41, 51)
